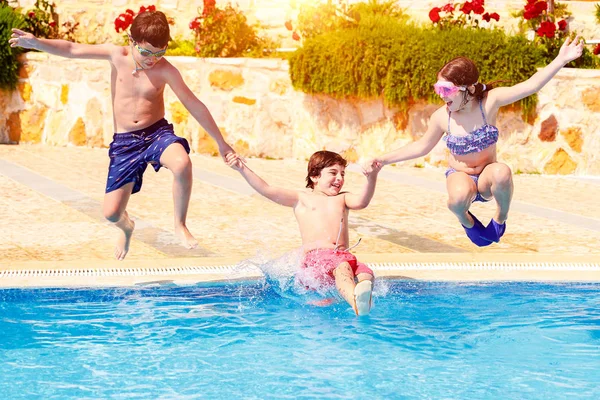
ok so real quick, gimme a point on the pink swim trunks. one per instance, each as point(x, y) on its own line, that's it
point(322, 263)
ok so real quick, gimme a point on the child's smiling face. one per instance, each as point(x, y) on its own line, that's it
point(330, 181)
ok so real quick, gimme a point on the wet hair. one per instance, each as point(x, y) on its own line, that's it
point(462, 72)
point(151, 27)
point(321, 160)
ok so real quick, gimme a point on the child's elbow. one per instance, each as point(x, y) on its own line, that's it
point(360, 206)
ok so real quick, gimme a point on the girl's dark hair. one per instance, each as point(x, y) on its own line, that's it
point(151, 27)
point(320, 160)
point(462, 72)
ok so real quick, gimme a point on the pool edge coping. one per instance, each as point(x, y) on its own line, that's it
point(189, 271)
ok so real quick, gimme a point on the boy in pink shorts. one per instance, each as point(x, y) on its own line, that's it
point(322, 215)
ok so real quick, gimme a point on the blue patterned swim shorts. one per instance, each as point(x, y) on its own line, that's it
point(131, 152)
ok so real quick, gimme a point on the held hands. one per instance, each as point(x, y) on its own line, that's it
point(224, 150)
point(371, 166)
point(571, 50)
point(234, 161)
point(23, 39)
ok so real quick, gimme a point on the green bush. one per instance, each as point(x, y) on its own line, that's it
point(9, 66)
point(385, 56)
point(319, 18)
point(181, 48)
point(225, 32)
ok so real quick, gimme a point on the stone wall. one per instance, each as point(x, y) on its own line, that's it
point(67, 102)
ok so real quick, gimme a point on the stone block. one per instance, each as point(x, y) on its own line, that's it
point(179, 114)
point(14, 127)
point(573, 136)
point(204, 144)
point(549, 129)
point(24, 89)
point(244, 100)
point(64, 94)
point(225, 80)
point(77, 135)
point(560, 164)
point(591, 99)
point(56, 128)
point(32, 123)
point(280, 86)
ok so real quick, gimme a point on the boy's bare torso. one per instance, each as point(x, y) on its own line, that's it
point(319, 218)
point(137, 99)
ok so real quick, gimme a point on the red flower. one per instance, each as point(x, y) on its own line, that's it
point(597, 49)
point(209, 5)
point(130, 12)
point(434, 14)
point(547, 29)
point(195, 24)
point(288, 25)
point(562, 24)
point(151, 8)
point(467, 8)
point(478, 6)
point(123, 21)
point(486, 17)
point(295, 36)
point(448, 8)
point(541, 6)
point(52, 24)
point(31, 14)
point(495, 16)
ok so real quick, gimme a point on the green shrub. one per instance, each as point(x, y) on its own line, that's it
point(181, 48)
point(9, 66)
point(320, 18)
point(399, 60)
point(225, 32)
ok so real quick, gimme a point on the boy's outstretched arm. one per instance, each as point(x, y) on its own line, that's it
point(569, 51)
point(416, 149)
point(361, 200)
point(197, 108)
point(60, 47)
point(285, 197)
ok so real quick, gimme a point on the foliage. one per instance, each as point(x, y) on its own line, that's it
point(551, 30)
point(124, 20)
point(42, 20)
point(597, 47)
point(468, 14)
point(181, 48)
point(225, 32)
point(400, 61)
point(9, 66)
point(317, 18)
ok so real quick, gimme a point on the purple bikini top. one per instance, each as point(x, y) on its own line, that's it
point(476, 141)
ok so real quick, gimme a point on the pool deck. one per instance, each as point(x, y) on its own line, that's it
point(53, 232)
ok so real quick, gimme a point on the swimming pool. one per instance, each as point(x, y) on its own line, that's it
point(422, 340)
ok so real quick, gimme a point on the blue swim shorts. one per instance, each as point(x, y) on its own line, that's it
point(131, 152)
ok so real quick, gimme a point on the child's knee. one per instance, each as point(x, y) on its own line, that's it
point(181, 166)
point(112, 213)
point(364, 276)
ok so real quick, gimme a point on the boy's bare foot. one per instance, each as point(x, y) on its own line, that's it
point(187, 240)
point(126, 231)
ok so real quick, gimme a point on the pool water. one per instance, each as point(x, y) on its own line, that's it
point(422, 340)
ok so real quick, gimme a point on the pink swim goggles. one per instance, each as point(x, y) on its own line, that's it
point(447, 89)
